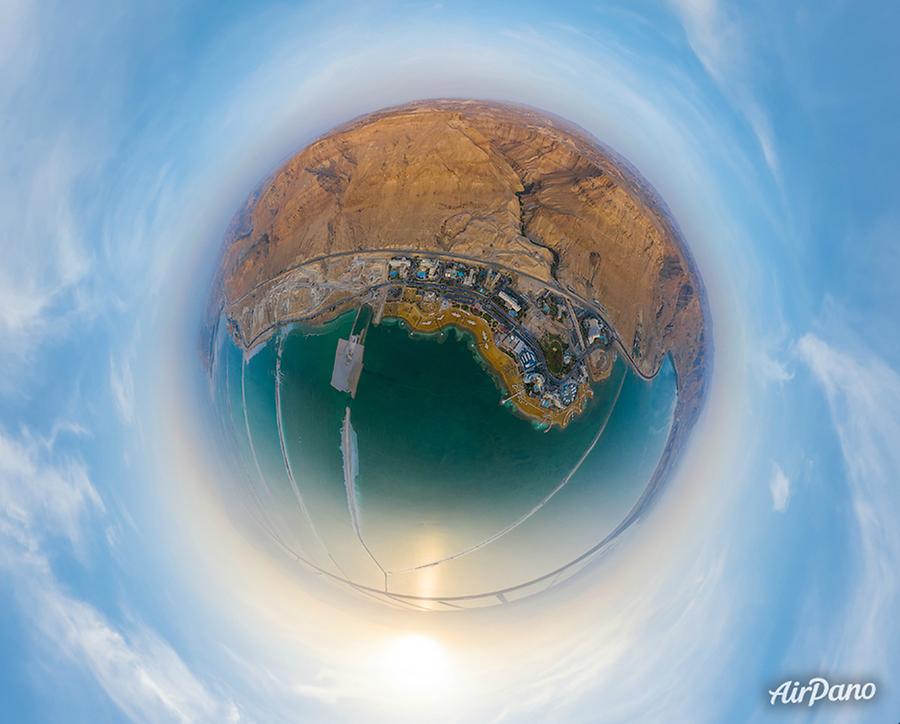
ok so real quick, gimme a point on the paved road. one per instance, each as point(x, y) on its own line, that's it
point(557, 288)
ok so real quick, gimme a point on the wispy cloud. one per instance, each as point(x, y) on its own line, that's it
point(139, 671)
point(46, 260)
point(53, 145)
point(770, 369)
point(39, 501)
point(46, 498)
point(121, 382)
point(608, 671)
point(277, 691)
point(863, 395)
point(719, 40)
point(713, 34)
point(780, 488)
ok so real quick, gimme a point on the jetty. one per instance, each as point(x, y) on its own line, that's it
point(350, 456)
point(348, 358)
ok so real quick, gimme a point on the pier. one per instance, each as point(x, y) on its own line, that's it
point(348, 358)
point(348, 361)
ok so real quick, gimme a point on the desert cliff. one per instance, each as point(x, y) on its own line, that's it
point(505, 184)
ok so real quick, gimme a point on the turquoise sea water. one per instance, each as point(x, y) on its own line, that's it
point(443, 467)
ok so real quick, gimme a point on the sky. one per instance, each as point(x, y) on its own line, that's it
point(131, 132)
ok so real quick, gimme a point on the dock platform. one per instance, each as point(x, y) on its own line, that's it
point(348, 362)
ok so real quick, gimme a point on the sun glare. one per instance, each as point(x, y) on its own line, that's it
point(416, 665)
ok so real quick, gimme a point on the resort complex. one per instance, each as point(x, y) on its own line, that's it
point(544, 348)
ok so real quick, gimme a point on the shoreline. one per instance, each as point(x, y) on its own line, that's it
point(499, 364)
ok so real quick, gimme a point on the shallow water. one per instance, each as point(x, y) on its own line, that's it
point(443, 467)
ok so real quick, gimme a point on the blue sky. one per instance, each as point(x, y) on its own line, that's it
point(130, 134)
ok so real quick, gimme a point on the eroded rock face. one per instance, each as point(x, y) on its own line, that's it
point(503, 184)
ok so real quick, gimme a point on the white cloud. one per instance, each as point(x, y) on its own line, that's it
point(651, 643)
point(714, 36)
point(139, 671)
point(282, 689)
point(863, 394)
point(51, 147)
point(780, 488)
point(762, 129)
point(38, 501)
point(43, 497)
point(719, 40)
point(121, 382)
point(47, 262)
point(327, 689)
point(771, 369)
